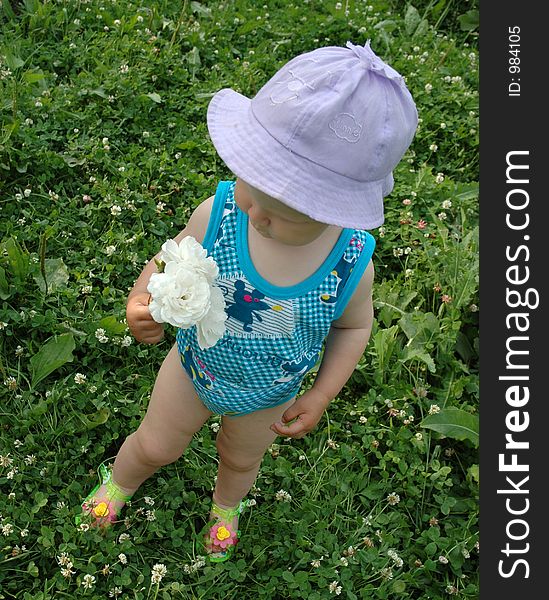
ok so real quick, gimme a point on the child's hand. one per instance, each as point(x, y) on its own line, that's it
point(307, 412)
point(143, 327)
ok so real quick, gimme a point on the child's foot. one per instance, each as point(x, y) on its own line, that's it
point(222, 536)
point(105, 501)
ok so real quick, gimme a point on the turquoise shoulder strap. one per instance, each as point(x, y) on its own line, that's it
point(216, 214)
point(356, 274)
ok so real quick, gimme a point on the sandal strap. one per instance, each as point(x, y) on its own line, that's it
point(113, 491)
point(230, 513)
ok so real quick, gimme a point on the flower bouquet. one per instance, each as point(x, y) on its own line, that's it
point(184, 292)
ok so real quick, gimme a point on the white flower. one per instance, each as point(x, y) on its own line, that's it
point(212, 326)
point(443, 560)
point(315, 563)
point(101, 335)
point(115, 210)
point(88, 581)
point(123, 559)
point(158, 572)
point(190, 252)
point(283, 496)
point(393, 498)
point(184, 294)
point(79, 378)
point(179, 297)
point(447, 204)
point(334, 588)
point(63, 559)
point(7, 528)
point(434, 409)
point(215, 427)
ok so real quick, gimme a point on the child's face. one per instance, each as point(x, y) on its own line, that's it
point(273, 219)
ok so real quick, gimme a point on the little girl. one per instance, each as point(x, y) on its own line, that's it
point(313, 154)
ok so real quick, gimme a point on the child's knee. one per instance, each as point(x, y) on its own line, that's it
point(153, 451)
point(235, 459)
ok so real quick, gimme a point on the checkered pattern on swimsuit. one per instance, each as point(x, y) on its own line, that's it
point(266, 351)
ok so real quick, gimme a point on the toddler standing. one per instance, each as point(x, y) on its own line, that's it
point(313, 154)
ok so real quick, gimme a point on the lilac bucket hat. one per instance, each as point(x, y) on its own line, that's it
point(323, 135)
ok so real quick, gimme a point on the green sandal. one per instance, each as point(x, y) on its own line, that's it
point(103, 512)
point(222, 534)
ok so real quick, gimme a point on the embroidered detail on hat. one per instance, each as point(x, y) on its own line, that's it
point(346, 127)
point(291, 88)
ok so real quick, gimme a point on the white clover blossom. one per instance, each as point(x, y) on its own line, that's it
point(184, 293)
point(79, 378)
point(334, 588)
point(393, 498)
point(88, 581)
point(283, 496)
point(196, 564)
point(158, 572)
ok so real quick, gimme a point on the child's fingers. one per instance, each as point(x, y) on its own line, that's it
point(294, 429)
point(290, 414)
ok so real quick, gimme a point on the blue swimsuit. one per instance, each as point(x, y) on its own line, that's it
point(274, 334)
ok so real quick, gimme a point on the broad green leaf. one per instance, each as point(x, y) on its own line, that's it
point(154, 97)
point(387, 25)
point(411, 353)
point(196, 7)
point(454, 423)
point(411, 20)
point(99, 92)
point(419, 327)
point(421, 29)
point(111, 325)
point(399, 586)
point(474, 472)
point(18, 259)
point(13, 62)
point(98, 418)
point(4, 285)
point(53, 354)
point(469, 21)
point(384, 344)
point(33, 76)
point(57, 275)
point(72, 161)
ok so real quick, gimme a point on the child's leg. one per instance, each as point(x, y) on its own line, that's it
point(241, 444)
point(174, 414)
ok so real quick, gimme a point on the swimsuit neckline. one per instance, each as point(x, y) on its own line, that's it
point(284, 292)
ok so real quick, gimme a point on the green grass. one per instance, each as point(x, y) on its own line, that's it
point(81, 214)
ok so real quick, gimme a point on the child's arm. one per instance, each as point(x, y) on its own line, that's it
point(345, 345)
point(143, 327)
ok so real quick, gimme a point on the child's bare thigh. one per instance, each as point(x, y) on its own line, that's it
point(175, 411)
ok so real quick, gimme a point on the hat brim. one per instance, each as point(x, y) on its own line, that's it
point(253, 155)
